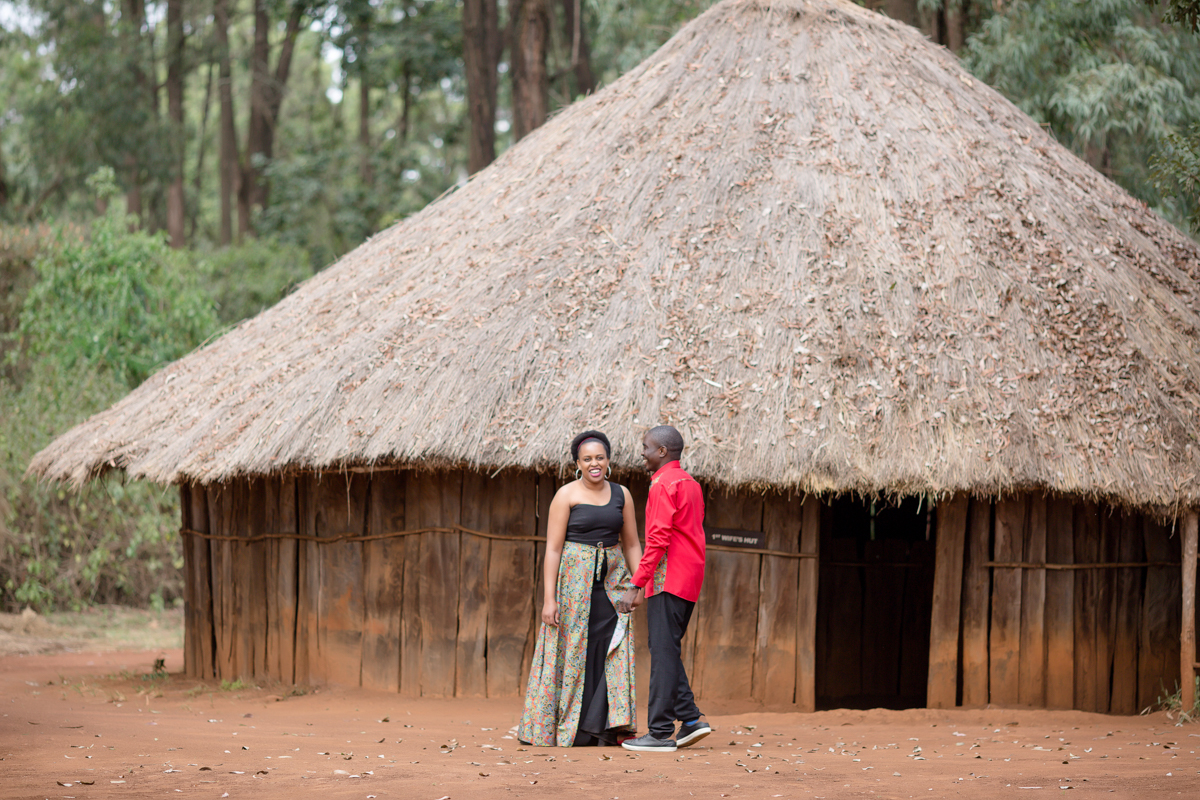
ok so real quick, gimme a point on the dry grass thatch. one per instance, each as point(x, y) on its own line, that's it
point(800, 232)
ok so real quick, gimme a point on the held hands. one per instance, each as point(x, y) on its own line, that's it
point(550, 612)
point(631, 599)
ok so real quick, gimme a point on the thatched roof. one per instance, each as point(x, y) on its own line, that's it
point(800, 232)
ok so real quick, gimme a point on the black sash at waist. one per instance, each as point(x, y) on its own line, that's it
point(592, 540)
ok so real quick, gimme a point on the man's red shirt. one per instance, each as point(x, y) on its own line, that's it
point(674, 557)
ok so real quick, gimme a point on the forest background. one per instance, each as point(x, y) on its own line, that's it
point(170, 168)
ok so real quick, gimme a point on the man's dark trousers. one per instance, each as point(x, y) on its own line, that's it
point(670, 694)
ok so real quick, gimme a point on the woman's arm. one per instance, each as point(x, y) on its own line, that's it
point(556, 535)
point(630, 545)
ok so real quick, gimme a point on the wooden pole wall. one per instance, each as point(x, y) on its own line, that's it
point(444, 614)
point(942, 689)
point(1032, 661)
point(1187, 637)
point(806, 606)
point(977, 585)
point(1060, 606)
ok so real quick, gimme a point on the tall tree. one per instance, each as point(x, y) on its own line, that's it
point(530, 38)
point(176, 213)
point(355, 23)
point(481, 59)
point(1107, 79)
point(577, 42)
point(228, 159)
point(134, 13)
point(267, 89)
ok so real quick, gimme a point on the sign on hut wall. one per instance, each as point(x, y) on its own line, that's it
point(730, 537)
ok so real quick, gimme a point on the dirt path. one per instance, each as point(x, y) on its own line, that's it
point(99, 722)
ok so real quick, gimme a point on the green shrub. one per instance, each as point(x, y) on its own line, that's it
point(245, 279)
point(106, 310)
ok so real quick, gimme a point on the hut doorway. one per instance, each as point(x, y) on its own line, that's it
point(874, 603)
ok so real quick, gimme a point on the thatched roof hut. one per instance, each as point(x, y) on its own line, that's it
point(799, 232)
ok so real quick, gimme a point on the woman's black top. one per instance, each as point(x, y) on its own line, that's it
point(599, 526)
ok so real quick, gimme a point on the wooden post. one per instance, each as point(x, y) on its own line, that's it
point(1127, 608)
point(1060, 606)
point(942, 686)
point(775, 649)
point(1187, 636)
point(1160, 614)
point(1004, 642)
point(1032, 659)
point(383, 584)
point(512, 502)
point(806, 606)
point(977, 585)
point(200, 575)
point(191, 659)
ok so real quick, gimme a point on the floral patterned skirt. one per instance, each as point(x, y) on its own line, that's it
point(553, 698)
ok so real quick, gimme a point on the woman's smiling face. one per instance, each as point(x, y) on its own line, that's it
point(593, 461)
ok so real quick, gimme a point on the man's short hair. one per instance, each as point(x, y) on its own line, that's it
point(668, 437)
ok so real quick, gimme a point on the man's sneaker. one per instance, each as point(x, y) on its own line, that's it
point(649, 744)
point(690, 734)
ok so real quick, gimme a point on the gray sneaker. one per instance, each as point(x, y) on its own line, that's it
point(649, 744)
point(690, 734)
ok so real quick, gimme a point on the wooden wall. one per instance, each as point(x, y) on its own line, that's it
point(453, 614)
point(1042, 623)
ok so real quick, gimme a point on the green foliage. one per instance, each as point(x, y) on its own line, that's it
point(625, 34)
point(117, 304)
point(1176, 171)
point(1109, 82)
point(1184, 13)
point(245, 279)
point(103, 312)
point(110, 542)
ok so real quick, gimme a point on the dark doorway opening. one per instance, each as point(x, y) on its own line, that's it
point(874, 602)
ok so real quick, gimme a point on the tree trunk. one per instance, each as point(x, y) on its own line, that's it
point(250, 192)
point(201, 147)
point(266, 99)
point(230, 171)
point(3, 179)
point(405, 105)
point(176, 214)
point(135, 13)
point(365, 173)
point(930, 23)
point(903, 10)
point(530, 81)
point(481, 57)
point(581, 57)
point(956, 25)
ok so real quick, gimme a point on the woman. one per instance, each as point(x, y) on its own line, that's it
point(581, 684)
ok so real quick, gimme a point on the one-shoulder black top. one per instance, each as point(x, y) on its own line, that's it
point(599, 526)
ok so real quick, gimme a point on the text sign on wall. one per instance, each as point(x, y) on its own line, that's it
point(728, 537)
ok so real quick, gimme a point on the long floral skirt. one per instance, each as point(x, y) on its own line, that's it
point(555, 696)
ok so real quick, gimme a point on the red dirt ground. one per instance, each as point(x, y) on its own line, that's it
point(92, 721)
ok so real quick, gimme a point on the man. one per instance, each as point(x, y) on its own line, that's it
point(669, 575)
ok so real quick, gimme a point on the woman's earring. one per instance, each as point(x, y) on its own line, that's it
point(578, 473)
point(609, 475)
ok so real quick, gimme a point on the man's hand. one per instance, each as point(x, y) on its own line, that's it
point(631, 599)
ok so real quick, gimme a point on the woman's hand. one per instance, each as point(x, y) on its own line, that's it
point(550, 612)
point(630, 600)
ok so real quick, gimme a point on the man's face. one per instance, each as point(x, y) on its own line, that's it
point(652, 453)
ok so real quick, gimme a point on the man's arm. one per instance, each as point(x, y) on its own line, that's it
point(660, 515)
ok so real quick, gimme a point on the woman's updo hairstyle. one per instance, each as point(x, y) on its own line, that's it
point(583, 437)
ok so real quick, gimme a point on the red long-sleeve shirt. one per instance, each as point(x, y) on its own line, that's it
point(673, 560)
